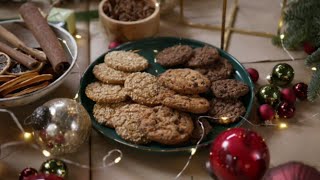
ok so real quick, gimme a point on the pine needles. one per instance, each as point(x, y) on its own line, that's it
point(302, 22)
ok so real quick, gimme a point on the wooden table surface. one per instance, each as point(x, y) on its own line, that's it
point(298, 142)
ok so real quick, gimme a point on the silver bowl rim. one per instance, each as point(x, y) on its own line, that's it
point(74, 59)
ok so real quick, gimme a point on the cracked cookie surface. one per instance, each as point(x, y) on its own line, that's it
point(126, 61)
point(105, 93)
point(109, 75)
point(167, 126)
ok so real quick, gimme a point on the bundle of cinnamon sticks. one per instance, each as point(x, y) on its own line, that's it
point(14, 84)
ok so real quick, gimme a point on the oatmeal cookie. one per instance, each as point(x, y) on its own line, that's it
point(108, 75)
point(143, 88)
point(226, 110)
point(229, 88)
point(167, 126)
point(126, 61)
point(175, 55)
point(105, 93)
point(127, 123)
point(105, 113)
point(185, 81)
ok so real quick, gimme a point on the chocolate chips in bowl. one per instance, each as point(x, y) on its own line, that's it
point(127, 20)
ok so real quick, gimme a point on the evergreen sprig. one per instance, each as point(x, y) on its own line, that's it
point(302, 24)
point(313, 59)
point(314, 85)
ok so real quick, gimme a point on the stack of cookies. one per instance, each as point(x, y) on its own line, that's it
point(144, 108)
point(225, 106)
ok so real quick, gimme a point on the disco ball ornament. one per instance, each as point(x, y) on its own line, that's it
point(60, 126)
point(269, 94)
point(54, 166)
point(282, 74)
point(239, 154)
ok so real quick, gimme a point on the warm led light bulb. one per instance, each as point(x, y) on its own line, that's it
point(27, 135)
point(46, 153)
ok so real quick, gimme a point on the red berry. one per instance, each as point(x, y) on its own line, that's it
point(286, 110)
point(301, 90)
point(113, 44)
point(266, 112)
point(288, 95)
point(309, 48)
point(253, 74)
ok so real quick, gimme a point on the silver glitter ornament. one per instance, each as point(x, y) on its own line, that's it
point(67, 126)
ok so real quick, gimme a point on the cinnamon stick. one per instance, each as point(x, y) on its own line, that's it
point(24, 59)
point(45, 36)
point(16, 42)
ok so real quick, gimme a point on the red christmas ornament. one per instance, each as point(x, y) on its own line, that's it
point(44, 177)
point(266, 112)
point(288, 95)
point(113, 44)
point(27, 172)
point(292, 170)
point(286, 110)
point(253, 74)
point(309, 48)
point(239, 154)
point(301, 90)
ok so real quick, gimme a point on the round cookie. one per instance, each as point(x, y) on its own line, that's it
point(175, 55)
point(105, 93)
point(198, 131)
point(108, 75)
point(126, 61)
point(226, 110)
point(167, 126)
point(127, 123)
point(185, 81)
point(222, 69)
point(229, 88)
point(143, 88)
point(105, 113)
point(197, 105)
point(203, 56)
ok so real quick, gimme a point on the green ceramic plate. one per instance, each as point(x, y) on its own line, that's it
point(148, 48)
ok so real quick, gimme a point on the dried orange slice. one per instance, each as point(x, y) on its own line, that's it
point(5, 62)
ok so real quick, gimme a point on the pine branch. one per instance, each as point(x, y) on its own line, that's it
point(314, 85)
point(313, 58)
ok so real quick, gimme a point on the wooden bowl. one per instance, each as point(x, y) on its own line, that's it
point(132, 30)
